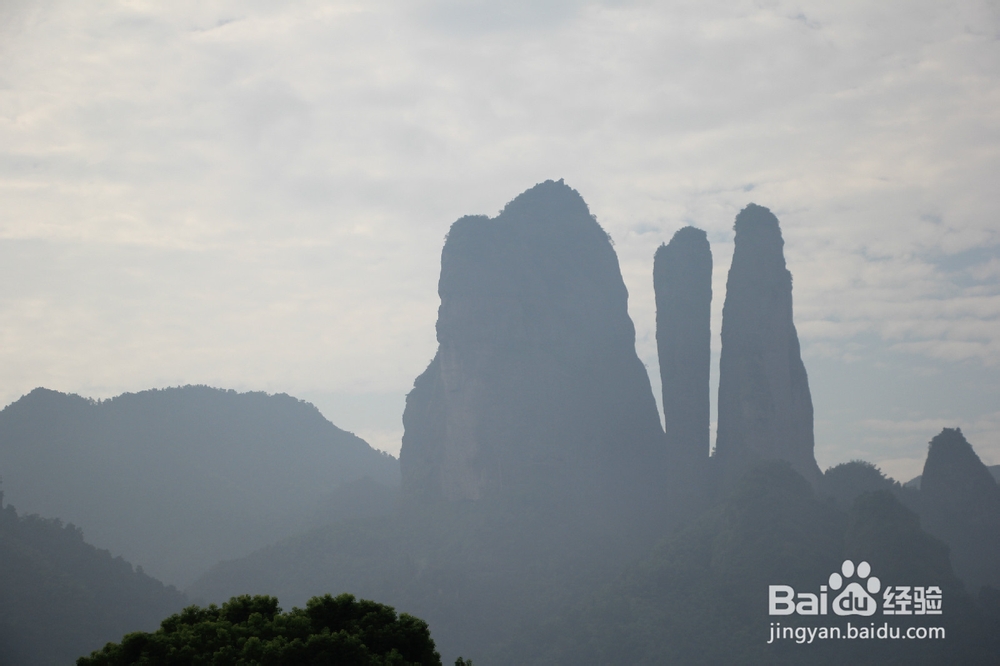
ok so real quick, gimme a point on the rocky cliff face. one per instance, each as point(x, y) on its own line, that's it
point(960, 504)
point(536, 388)
point(682, 281)
point(765, 409)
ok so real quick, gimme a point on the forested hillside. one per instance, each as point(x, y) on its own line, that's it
point(61, 598)
point(516, 588)
point(701, 596)
point(177, 479)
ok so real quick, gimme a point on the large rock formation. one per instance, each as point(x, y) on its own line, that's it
point(960, 504)
point(765, 409)
point(682, 281)
point(536, 390)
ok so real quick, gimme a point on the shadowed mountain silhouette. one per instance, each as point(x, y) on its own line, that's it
point(60, 597)
point(537, 482)
point(536, 391)
point(846, 481)
point(177, 479)
point(536, 479)
point(533, 463)
point(765, 408)
point(682, 282)
point(960, 504)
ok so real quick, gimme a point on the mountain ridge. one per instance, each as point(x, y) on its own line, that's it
point(176, 479)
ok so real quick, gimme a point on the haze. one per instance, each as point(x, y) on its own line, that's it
point(254, 196)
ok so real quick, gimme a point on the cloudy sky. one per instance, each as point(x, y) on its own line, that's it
point(255, 195)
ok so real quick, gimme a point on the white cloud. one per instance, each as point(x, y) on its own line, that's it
point(255, 195)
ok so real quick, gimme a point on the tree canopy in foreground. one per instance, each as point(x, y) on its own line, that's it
point(251, 630)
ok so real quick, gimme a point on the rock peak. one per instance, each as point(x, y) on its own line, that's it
point(682, 282)
point(765, 407)
point(689, 234)
point(961, 506)
point(754, 218)
point(536, 385)
point(953, 469)
point(547, 197)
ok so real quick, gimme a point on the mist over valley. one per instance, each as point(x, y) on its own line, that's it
point(554, 332)
point(539, 511)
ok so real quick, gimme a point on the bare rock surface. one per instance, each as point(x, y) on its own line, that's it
point(536, 390)
point(682, 281)
point(765, 408)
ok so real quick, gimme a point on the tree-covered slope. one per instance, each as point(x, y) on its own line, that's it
point(177, 479)
point(508, 588)
point(61, 598)
point(480, 575)
point(701, 597)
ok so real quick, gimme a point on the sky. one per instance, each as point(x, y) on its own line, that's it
point(254, 195)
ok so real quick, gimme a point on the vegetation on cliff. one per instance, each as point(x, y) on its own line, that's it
point(60, 597)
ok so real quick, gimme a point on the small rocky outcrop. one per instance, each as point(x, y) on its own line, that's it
point(536, 390)
point(682, 282)
point(765, 408)
point(960, 504)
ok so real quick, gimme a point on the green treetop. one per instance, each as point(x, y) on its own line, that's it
point(252, 630)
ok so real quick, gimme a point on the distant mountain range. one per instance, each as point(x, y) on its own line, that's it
point(178, 479)
point(539, 512)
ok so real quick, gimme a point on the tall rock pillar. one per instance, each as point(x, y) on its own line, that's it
point(765, 409)
point(682, 281)
point(536, 391)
